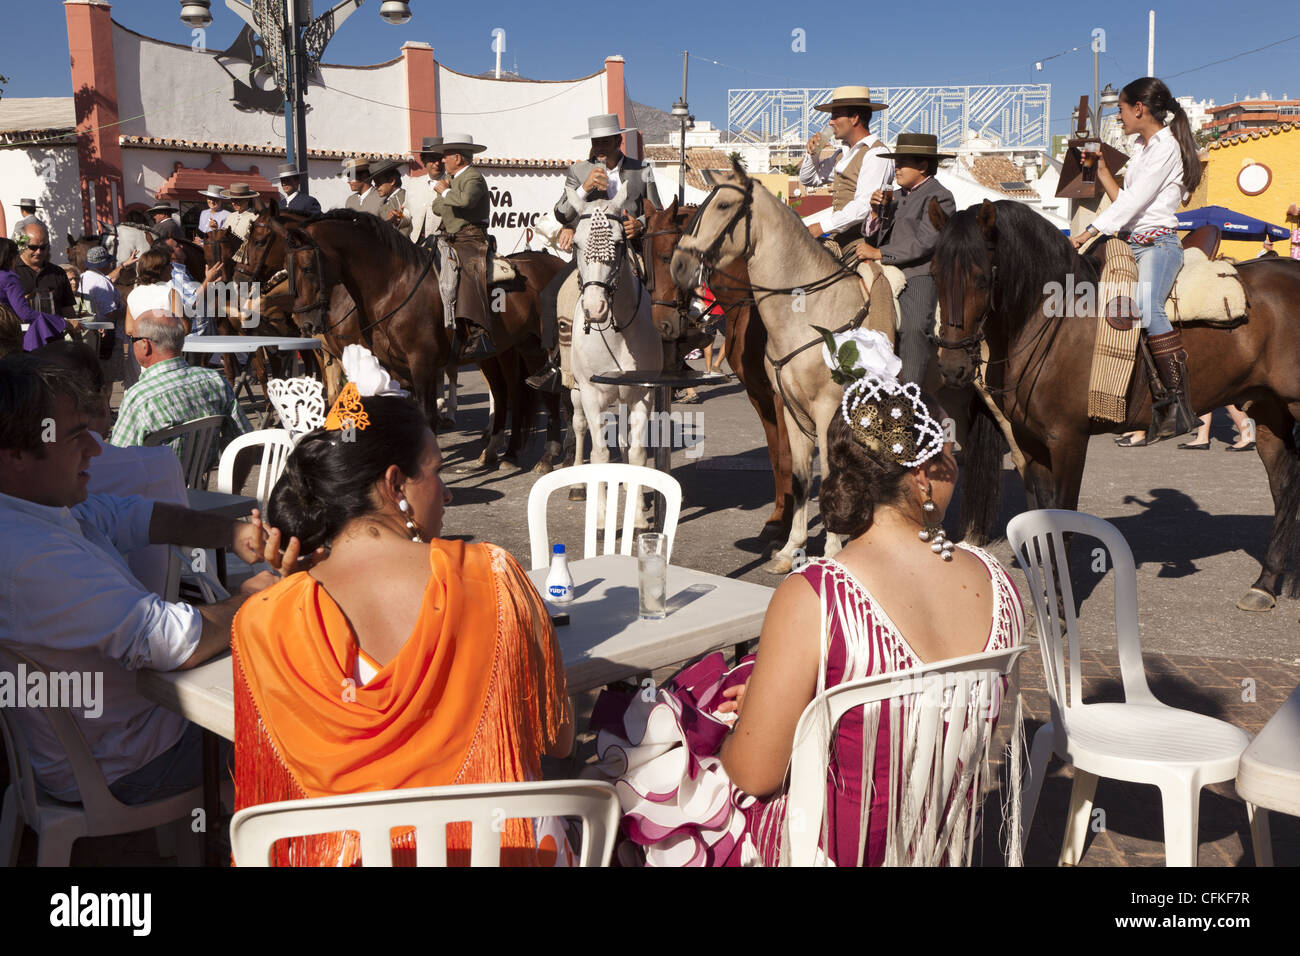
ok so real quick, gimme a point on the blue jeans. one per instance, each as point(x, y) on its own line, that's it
point(1158, 266)
point(172, 772)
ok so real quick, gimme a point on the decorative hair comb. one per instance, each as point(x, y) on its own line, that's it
point(885, 415)
point(366, 378)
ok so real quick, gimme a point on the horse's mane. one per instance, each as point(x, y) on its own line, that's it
point(386, 234)
point(1029, 253)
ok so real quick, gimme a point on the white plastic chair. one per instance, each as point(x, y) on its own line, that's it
point(1141, 740)
point(255, 830)
point(59, 825)
point(931, 753)
point(276, 444)
point(299, 403)
point(193, 441)
point(599, 478)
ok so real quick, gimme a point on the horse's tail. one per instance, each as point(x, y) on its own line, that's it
point(1284, 541)
point(981, 476)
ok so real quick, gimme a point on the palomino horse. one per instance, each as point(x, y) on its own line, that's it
point(994, 265)
point(613, 331)
point(799, 285)
point(746, 341)
point(396, 312)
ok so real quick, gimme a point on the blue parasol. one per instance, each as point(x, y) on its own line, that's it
point(1232, 225)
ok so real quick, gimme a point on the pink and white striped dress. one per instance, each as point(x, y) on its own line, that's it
point(660, 750)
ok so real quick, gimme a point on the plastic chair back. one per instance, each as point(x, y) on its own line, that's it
point(276, 444)
point(193, 442)
point(1038, 538)
point(609, 476)
point(935, 751)
point(255, 830)
point(299, 403)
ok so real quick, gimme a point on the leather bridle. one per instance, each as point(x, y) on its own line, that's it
point(708, 258)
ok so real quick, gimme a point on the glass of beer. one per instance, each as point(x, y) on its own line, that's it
point(886, 197)
point(1088, 155)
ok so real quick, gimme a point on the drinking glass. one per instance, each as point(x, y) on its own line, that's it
point(1088, 154)
point(652, 575)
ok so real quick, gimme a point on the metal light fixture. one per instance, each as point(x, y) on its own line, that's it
point(395, 12)
point(1109, 97)
point(196, 13)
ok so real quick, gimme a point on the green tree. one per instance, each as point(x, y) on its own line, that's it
point(734, 157)
point(1205, 137)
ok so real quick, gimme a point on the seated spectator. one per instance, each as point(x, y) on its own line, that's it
point(153, 292)
point(72, 605)
point(153, 473)
point(42, 327)
point(170, 390)
point(897, 596)
point(445, 655)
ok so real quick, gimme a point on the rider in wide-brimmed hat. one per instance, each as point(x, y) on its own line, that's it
point(240, 196)
point(164, 226)
point(606, 171)
point(363, 198)
point(905, 237)
point(290, 179)
point(464, 206)
point(386, 177)
point(214, 217)
point(856, 170)
point(28, 208)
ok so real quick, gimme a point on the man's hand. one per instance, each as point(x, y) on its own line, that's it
point(1080, 239)
point(259, 582)
point(248, 539)
point(288, 560)
point(564, 241)
point(394, 215)
point(596, 179)
point(868, 252)
point(631, 226)
point(441, 186)
point(816, 230)
point(814, 144)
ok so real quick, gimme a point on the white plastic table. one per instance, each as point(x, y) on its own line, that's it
point(1269, 773)
point(246, 345)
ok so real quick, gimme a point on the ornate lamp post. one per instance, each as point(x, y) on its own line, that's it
point(293, 42)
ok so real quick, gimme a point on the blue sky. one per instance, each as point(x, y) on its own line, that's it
point(944, 42)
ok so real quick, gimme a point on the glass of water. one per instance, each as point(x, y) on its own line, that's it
point(652, 575)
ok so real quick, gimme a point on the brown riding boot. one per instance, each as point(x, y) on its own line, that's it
point(1173, 415)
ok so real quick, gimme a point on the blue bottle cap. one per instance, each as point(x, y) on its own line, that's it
point(557, 549)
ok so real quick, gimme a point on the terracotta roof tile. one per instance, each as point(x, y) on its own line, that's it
point(1246, 136)
point(242, 149)
point(992, 172)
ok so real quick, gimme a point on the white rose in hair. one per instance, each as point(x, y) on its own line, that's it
point(875, 354)
point(364, 371)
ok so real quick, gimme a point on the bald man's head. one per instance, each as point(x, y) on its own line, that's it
point(37, 252)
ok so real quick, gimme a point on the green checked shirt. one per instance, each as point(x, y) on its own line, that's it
point(171, 392)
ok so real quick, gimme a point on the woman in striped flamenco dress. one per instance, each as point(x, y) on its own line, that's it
point(700, 765)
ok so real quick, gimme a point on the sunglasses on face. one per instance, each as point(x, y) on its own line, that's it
point(37, 247)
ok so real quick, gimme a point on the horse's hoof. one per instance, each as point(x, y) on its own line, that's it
point(578, 493)
point(780, 564)
point(544, 467)
point(488, 461)
point(1257, 599)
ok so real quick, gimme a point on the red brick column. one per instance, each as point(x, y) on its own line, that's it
point(421, 96)
point(616, 98)
point(94, 91)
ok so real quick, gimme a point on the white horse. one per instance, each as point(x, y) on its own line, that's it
point(612, 332)
point(127, 238)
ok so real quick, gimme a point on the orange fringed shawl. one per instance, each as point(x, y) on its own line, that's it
point(476, 695)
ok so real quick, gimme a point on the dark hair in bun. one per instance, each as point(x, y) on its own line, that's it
point(859, 479)
point(328, 479)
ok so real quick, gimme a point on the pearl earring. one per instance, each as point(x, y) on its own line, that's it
point(404, 507)
point(933, 532)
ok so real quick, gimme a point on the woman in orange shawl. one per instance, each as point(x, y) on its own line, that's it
point(394, 662)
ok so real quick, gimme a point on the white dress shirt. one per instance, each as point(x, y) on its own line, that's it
point(103, 295)
point(1153, 188)
point(418, 208)
point(209, 220)
point(71, 604)
point(874, 173)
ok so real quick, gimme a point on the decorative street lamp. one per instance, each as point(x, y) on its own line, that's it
point(293, 42)
point(683, 113)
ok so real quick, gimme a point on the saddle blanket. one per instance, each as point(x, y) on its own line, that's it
point(1206, 291)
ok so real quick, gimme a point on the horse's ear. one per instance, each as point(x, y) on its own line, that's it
point(648, 206)
point(296, 238)
point(938, 218)
point(988, 221)
point(738, 168)
point(672, 209)
point(71, 241)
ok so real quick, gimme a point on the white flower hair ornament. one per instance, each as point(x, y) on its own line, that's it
point(364, 371)
point(887, 416)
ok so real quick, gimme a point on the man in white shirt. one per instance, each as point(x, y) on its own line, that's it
point(214, 217)
point(73, 605)
point(420, 195)
point(104, 298)
point(855, 171)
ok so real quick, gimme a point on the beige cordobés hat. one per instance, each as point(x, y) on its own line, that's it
point(858, 97)
point(606, 124)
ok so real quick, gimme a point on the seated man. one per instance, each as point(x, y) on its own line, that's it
point(96, 284)
point(170, 390)
point(905, 237)
point(73, 606)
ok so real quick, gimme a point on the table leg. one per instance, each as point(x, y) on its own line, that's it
point(663, 448)
point(221, 567)
point(212, 799)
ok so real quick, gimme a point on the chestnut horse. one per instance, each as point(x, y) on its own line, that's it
point(396, 311)
point(993, 267)
point(746, 340)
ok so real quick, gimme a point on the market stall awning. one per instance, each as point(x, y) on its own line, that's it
point(186, 182)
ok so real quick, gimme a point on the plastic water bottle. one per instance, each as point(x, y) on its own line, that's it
point(559, 582)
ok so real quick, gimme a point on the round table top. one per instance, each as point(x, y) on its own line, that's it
point(95, 325)
point(648, 379)
point(246, 343)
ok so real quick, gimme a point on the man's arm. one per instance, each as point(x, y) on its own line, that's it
point(172, 524)
point(913, 239)
point(566, 214)
point(817, 173)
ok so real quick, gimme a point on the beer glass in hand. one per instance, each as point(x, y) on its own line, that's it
point(1088, 155)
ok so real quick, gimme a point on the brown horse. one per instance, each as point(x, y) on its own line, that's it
point(994, 266)
point(746, 341)
point(397, 310)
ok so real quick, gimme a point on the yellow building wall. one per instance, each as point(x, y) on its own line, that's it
point(776, 183)
point(1280, 152)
